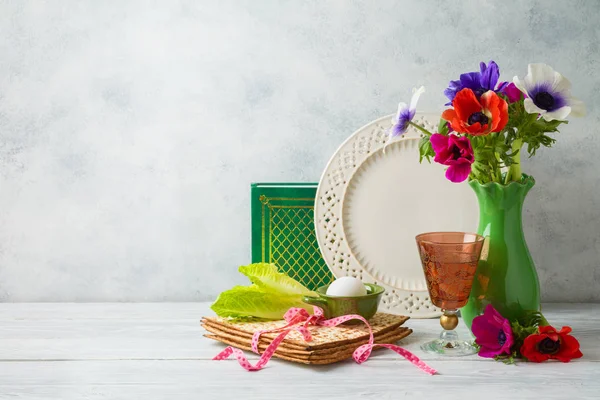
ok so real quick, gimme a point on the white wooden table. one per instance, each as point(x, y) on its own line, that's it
point(156, 351)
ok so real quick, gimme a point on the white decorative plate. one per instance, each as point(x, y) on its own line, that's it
point(371, 204)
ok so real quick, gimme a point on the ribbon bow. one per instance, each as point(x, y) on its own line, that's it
point(298, 319)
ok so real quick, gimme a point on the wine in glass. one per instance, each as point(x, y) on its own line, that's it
point(449, 261)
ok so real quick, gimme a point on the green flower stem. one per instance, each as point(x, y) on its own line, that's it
point(498, 177)
point(478, 173)
point(495, 174)
point(514, 171)
point(419, 127)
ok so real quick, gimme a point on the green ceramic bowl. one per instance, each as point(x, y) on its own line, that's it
point(336, 306)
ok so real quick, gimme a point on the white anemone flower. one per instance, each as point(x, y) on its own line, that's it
point(548, 93)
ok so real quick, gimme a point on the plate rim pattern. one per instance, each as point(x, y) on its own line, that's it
point(346, 160)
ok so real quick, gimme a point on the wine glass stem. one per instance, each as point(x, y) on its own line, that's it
point(449, 321)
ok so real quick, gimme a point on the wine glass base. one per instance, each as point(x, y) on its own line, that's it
point(456, 348)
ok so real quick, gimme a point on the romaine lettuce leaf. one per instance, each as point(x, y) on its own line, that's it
point(252, 301)
point(270, 296)
point(267, 277)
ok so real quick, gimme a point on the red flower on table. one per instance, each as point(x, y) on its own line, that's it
point(550, 344)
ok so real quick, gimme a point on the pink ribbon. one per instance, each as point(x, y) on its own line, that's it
point(298, 319)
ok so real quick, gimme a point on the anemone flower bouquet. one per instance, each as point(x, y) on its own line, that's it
point(489, 122)
point(482, 135)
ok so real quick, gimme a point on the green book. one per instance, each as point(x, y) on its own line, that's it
point(283, 231)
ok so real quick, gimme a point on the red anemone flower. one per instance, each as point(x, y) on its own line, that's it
point(477, 117)
point(551, 344)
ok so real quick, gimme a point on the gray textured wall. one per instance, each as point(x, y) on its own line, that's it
point(130, 130)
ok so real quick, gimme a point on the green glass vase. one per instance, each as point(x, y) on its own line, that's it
point(505, 276)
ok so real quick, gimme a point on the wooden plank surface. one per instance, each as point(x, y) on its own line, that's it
point(155, 351)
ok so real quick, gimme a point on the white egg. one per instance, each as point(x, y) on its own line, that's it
point(347, 286)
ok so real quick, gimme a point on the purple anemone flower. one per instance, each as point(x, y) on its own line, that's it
point(548, 93)
point(492, 332)
point(480, 82)
point(405, 114)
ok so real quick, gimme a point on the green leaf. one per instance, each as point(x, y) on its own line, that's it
point(425, 149)
point(269, 297)
point(530, 318)
point(526, 325)
point(253, 301)
point(267, 277)
point(508, 359)
point(443, 127)
point(541, 125)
